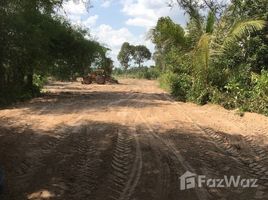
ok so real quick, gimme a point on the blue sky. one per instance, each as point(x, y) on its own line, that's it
point(113, 22)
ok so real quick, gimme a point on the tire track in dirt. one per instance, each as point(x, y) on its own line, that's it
point(135, 172)
point(162, 168)
point(164, 176)
point(36, 161)
point(177, 159)
point(83, 161)
point(254, 162)
point(256, 168)
point(126, 168)
point(86, 181)
point(73, 157)
point(175, 156)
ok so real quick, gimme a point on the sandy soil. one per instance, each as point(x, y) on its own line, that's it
point(127, 142)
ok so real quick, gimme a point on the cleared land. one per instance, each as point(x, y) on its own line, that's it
point(127, 142)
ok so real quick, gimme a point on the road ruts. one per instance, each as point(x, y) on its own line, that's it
point(83, 161)
point(255, 163)
point(163, 166)
point(34, 162)
point(176, 157)
point(73, 167)
point(121, 164)
point(126, 165)
point(125, 171)
point(31, 165)
point(256, 167)
point(136, 170)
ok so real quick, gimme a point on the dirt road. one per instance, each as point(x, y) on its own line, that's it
point(127, 142)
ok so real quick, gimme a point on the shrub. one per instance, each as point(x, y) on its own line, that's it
point(149, 73)
point(180, 86)
point(166, 79)
point(199, 92)
point(39, 81)
point(259, 96)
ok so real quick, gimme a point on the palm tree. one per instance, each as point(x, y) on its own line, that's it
point(207, 46)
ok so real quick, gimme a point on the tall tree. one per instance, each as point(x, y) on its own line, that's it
point(35, 40)
point(166, 35)
point(125, 54)
point(141, 54)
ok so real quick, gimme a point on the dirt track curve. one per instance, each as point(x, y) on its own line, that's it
point(127, 142)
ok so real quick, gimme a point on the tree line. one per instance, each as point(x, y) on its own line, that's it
point(220, 57)
point(35, 42)
point(131, 53)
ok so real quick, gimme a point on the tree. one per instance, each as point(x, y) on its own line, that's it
point(125, 54)
point(166, 35)
point(141, 54)
point(222, 51)
point(34, 40)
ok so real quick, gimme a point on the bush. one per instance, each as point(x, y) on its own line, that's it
point(252, 96)
point(259, 96)
point(199, 92)
point(166, 79)
point(39, 81)
point(180, 86)
point(177, 84)
point(149, 73)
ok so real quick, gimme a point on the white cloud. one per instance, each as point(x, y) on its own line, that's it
point(142, 13)
point(113, 38)
point(140, 22)
point(74, 11)
point(145, 13)
point(106, 3)
point(90, 21)
point(77, 13)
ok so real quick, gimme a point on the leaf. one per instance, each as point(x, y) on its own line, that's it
point(240, 30)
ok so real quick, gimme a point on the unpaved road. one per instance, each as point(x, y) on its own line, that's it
point(127, 142)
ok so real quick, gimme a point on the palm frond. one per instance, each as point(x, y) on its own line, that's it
point(211, 18)
point(201, 54)
point(242, 29)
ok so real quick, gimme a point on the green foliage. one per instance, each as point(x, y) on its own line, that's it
point(125, 54)
point(180, 86)
point(167, 33)
point(128, 53)
point(166, 80)
point(240, 30)
point(210, 22)
point(252, 96)
point(149, 73)
point(221, 58)
point(39, 81)
point(140, 54)
point(259, 99)
point(166, 36)
point(36, 42)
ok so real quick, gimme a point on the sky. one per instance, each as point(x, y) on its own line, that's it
point(113, 22)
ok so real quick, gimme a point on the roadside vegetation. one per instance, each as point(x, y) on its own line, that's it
point(131, 58)
point(150, 73)
point(220, 57)
point(37, 43)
